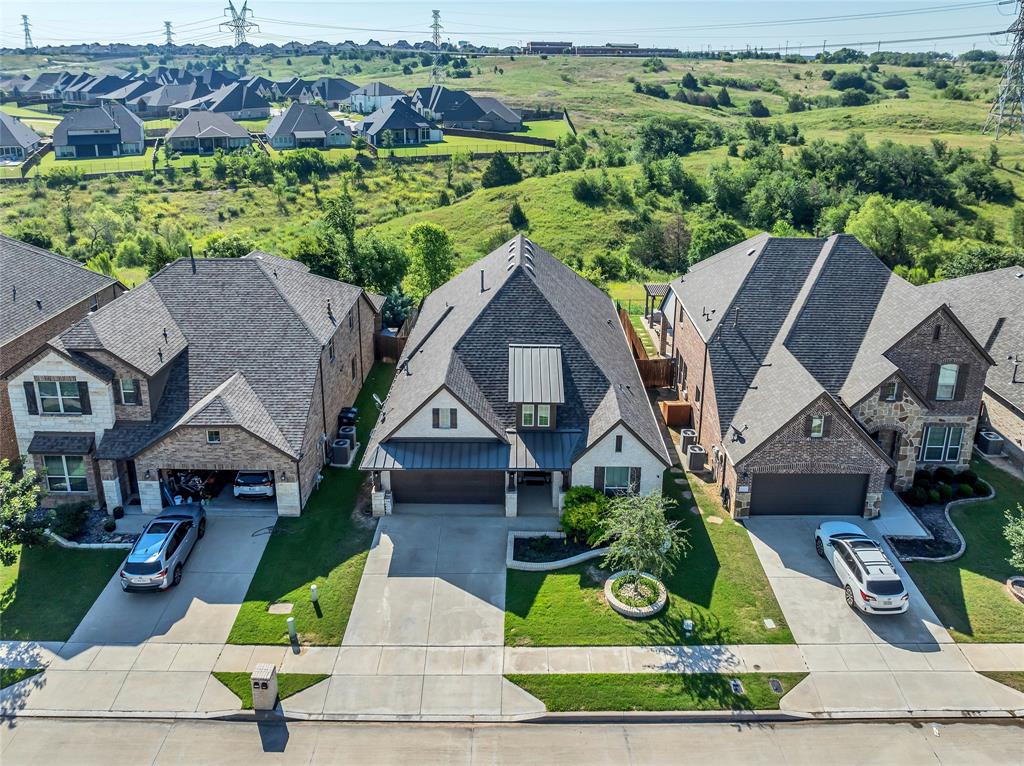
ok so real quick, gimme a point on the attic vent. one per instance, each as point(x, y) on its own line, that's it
point(14, 292)
point(1019, 275)
point(511, 246)
point(528, 247)
point(39, 304)
point(165, 333)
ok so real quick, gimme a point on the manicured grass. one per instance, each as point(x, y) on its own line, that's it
point(28, 112)
point(452, 144)
point(546, 128)
point(719, 585)
point(324, 546)
point(47, 591)
point(1012, 678)
point(614, 692)
point(11, 676)
point(968, 594)
point(287, 684)
point(638, 323)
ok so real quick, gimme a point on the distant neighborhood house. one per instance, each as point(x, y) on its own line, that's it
point(17, 140)
point(306, 125)
point(458, 109)
point(374, 96)
point(204, 132)
point(237, 100)
point(103, 131)
point(398, 124)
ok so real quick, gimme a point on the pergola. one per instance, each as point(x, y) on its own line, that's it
point(654, 294)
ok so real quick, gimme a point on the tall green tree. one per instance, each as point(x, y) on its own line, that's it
point(896, 232)
point(380, 264)
point(432, 259)
point(500, 172)
point(19, 496)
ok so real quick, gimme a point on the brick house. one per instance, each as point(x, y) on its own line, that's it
point(516, 383)
point(213, 365)
point(817, 377)
point(44, 294)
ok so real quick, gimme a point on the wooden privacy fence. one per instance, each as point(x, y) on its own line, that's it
point(655, 373)
point(388, 346)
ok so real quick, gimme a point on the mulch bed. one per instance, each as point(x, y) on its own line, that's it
point(945, 542)
point(542, 549)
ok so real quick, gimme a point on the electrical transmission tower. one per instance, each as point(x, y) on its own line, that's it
point(28, 33)
point(168, 34)
point(241, 21)
point(437, 70)
point(1007, 113)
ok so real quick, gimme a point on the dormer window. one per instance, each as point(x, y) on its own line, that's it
point(535, 383)
point(543, 415)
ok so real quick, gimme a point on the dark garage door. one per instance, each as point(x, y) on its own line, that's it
point(835, 494)
point(453, 487)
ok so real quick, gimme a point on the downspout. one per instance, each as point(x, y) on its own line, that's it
point(703, 380)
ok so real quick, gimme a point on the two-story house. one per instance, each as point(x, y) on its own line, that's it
point(44, 294)
point(103, 131)
point(213, 365)
point(373, 96)
point(398, 124)
point(516, 383)
point(817, 377)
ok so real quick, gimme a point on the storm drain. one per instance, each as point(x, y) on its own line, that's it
point(776, 685)
point(737, 686)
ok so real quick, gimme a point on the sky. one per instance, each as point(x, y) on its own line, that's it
point(796, 25)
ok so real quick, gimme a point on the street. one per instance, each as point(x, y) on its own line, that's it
point(113, 742)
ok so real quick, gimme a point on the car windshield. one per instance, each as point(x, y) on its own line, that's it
point(251, 478)
point(885, 587)
point(141, 567)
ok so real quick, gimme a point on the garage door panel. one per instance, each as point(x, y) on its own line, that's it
point(454, 487)
point(775, 494)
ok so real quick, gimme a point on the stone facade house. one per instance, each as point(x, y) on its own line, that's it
point(238, 101)
point(400, 125)
point(213, 365)
point(205, 132)
point(817, 378)
point(516, 383)
point(44, 294)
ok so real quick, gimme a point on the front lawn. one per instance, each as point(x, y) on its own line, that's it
point(614, 692)
point(11, 676)
point(719, 585)
point(1012, 678)
point(969, 594)
point(287, 684)
point(47, 591)
point(324, 545)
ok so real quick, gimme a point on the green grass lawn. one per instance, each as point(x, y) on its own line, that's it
point(1012, 678)
point(968, 594)
point(719, 585)
point(607, 692)
point(11, 676)
point(28, 112)
point(552, 129)
point(452, 144)
point(323, 546)
point(287, 684)
point(47, 591)
point(638, 323)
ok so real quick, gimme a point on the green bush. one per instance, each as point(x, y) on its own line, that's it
point(922, 478)
point(584, 515)
point(109, 525)
point(933, 496)
point(944, 474)
point(915, 497)
point(945, 491)
point(965, 490)
point(969, 477)
point(68, 519)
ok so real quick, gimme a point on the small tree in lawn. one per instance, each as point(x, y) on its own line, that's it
point(516, 217)
point(19, 496)
point(640, 536)
point(1014, 534)
point(431, 259)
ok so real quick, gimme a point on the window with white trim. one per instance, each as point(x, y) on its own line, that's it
point(942, 444)
point(890, 390)
point(543, 415)
point(817, 426)
point(527, 418)
point(213, 437)
point(945, 388)
point(66, 473)
point(330, 349)
point(616, 478)
point(60, 397)
point(129, 391)
point(444, 417)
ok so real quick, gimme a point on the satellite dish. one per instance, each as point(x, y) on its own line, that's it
point(378, 402)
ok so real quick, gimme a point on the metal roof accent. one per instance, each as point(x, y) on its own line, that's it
point(535, 374)
point(528, 451)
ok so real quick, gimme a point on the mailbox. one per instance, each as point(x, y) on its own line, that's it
point(264, 687)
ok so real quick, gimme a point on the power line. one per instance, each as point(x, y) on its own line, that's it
point(168, 34)
point(436, 70)
point(28, 34)
point(1008, 109)
point(241, 21)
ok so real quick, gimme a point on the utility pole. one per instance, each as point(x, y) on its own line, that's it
point(240, 22)
point(28, 34)
point(437, 70)
point(1007, 111)
point(168, 34)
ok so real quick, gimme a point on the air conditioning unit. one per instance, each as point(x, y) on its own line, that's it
point(696, 458)
point(341, 453)
point(347, 416)
point(990, 443)
point(347, 432)
point(687, 437)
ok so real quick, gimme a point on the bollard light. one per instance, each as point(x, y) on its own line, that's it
point(313, 595)
point(291, 629)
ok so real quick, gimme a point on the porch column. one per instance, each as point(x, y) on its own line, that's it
point(149, 496)
point(111, 484)
point(511, 496)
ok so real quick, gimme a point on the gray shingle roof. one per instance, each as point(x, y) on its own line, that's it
point(462, 336)
point(497, 107)
point(31, 274)
point(106, 117)
point(229, 98)
point(61, 443)
point(991, 305)
point(377, 89)
point(13, 132)
point(397, 115)
point(207, 125)
point(242, 346)
point(301, 118)
point(170, 94)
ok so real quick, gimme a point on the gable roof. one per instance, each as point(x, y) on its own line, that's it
point(990, 306)
point(304, 118)
point(107, 117)
point(498, 108)
point(38, 285)
point(203, 124)
point(461, 342)
point(377, 89)
point(170, 94)
point(397, 115)
point(333, 88)
point(229, 98)
point(13, 132)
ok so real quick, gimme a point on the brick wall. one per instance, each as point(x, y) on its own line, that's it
point(905, 417)
point(26, 345)
point(1006, 422)
point(691, 348)
point(141, 411)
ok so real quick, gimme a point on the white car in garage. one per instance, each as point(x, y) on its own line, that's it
point(253, 484)
point(870, 581)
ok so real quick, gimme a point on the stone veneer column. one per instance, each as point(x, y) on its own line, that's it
point(288, 502)
point(149, 496)
point(111, 484)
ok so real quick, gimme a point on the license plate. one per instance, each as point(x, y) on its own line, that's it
point(140, 580)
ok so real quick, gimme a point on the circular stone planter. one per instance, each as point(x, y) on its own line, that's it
point(1015, 585)
point(635, 612)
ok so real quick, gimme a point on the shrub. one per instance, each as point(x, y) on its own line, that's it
point(109, 525)
point(847, 80)
point(894, 82)
point(500, 172)
point(587, 190)
point(944, 474)
point(68, 519)
point(922, 478)
point(584, 515)
point(915, 497)
point(758, 109)
point(945, 491)
point(1014, 534)
point(970, 477)
point(965, 490)
point(853, 97)
point(828, 74)
point(516, 217)
point(934, 496)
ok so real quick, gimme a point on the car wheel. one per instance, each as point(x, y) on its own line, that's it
point(202, 529)
point(819, 547)
point(177, 576)
point(850, 600)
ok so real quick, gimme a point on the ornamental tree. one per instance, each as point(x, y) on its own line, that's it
point(640, 536)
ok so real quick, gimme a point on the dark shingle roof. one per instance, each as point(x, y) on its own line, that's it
point(60, 443)
point(106, 117)
point(304, 118)
point(991, 305)
point(207, 125)
point(462, 336)
point(377, 89)
point(398, 115)
point(333, 88)
point(31, 274)
point(229, 98)
point(13, 132)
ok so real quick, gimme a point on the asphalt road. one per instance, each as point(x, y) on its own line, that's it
point(112, 742)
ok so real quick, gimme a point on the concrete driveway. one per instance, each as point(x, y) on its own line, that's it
point(812, 600)
point(202, 608)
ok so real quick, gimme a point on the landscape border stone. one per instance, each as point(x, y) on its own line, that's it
point(86, 546)
point(544, 566)
point(635, 612)
point(963, 543)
